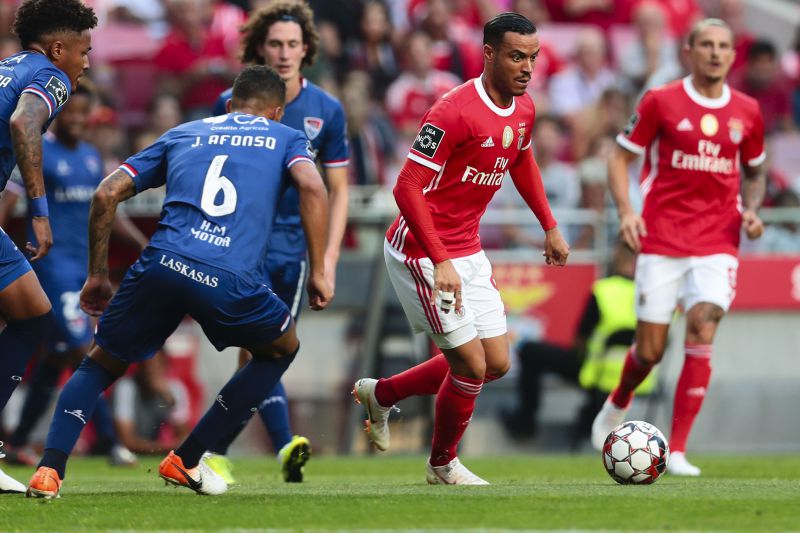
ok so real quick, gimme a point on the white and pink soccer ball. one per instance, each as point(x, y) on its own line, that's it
point(636, 453)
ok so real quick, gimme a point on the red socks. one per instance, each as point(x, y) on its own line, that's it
point(455, 403)
point(421, 380)
point(690, 393)
point(633, 373)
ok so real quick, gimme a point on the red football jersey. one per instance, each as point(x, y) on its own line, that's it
point(691, 176)
point(471, 143)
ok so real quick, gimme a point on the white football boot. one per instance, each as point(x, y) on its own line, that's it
point(609, 417)
point(200, 479)
point(9, 485)
point(377, 424)
point(679, 466)
point(453, 473)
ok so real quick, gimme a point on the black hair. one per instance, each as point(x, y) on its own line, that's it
point(760, 48)
point(259, 81)
point(495, 29)
point(36, 19)
point(255, 30)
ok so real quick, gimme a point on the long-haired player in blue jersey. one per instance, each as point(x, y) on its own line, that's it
point(72, 170)
point(34, 84)
point(224, 177)
point(282, 35)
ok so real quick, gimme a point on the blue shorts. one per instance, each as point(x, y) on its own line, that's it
point(162, 287)
point(13, 264)
point(63, 288)
point(287, 278)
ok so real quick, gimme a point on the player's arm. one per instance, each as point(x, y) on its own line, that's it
point(528, 180)
point(314, 215)
point(26, 124)
point(115, 188)
point(631, 224)
point(338, 200)
point(414, 208)
point(754, 187)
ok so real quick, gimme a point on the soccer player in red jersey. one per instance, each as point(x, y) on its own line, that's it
point(470, 140)
point(697, 135)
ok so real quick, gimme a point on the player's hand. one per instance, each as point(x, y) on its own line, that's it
point(446, 286)
point(95, 295)
point(44, 237)
point(631, 229)
point(752, 224)
point(320, 293)
point(556, 249)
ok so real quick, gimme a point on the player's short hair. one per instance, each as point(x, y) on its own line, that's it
point(36, 19)
point(259, 81)
point(495, 29)
point(254, 31)
point(703, 24)
point(762, 47)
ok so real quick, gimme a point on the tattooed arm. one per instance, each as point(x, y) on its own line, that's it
point(96, 292)
point(753, 188)
point(26, 125)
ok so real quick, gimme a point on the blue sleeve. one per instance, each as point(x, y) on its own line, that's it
point(220, 104)
point(298, 148)
point(334, 151)
point(52, 86)
point(148, 168)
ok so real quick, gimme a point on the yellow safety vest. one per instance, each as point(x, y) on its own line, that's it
point(603, 365)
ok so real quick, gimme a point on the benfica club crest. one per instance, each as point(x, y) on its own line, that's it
point(735, 129)
point(312, 127)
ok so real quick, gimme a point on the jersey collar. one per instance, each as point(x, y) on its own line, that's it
point(699, 99)
point(503, 112)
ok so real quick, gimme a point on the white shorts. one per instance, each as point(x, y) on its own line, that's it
point(663, 282)
point(483, 313)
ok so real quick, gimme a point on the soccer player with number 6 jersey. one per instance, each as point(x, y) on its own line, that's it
point(472, 139)
point(224, 177)
point(698, 136)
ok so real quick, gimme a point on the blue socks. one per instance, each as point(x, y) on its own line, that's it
point(274, 412)
point(234, 405)
point(18, 341)
point(74, 408)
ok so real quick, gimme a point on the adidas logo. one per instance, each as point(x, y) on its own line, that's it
point(488, 143)
point(685, 125)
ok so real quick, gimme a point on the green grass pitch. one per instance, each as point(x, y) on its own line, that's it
point(542, 492)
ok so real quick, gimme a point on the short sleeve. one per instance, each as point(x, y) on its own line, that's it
point(334, 151)
point(642, 127)
point(298, 149)
point(52, 86)
point(442, 131)
point(221, 103)
point(148, 168)
point(752, 149)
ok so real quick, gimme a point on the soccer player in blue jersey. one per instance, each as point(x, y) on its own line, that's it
point(72, 170)
point(282, 35)
point(34, 84)
point(224, 178)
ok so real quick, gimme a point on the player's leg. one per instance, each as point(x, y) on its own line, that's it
point(710, 291)
point(658, 284)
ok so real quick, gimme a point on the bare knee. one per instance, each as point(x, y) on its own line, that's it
point(651, 341)
point(498, 370)
point(284, 346)
point(702, 321)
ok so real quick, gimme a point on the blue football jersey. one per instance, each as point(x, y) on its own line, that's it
point(224, 176)
point(321, 118)
point(71, 175)
point(27, 72)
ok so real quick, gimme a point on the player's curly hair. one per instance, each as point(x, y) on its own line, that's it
point(254, 31)
point(38, 18)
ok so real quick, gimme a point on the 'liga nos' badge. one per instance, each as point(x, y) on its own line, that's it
point(736, 129)
point(312, 127)
point(508, 136)
point(521, 138)
point(709, 125)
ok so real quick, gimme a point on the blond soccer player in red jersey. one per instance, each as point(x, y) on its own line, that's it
point(697, 135)
point(470, 140)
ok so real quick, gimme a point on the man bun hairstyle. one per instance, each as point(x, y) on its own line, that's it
point(36, 19)
point(259, 81)
point(497, 27)
point(254, 31)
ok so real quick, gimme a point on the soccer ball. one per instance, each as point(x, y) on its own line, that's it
point(635, 453)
